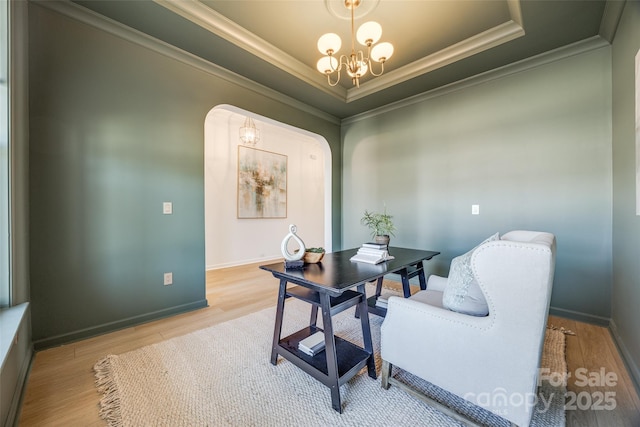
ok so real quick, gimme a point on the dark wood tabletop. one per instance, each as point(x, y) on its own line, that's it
point(336, 273)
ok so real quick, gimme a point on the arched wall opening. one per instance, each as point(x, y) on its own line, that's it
point(230, 240)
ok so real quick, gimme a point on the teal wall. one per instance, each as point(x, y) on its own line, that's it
point(115, 130)
point(626, 224)
point(531, 146)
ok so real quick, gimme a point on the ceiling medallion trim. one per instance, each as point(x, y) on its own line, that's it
point(337, 9)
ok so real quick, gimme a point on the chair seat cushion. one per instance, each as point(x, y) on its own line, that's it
point(433, 298)
point(462, 293)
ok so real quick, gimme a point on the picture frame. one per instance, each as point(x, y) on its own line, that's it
point(262, 184)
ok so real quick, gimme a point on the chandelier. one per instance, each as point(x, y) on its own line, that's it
point(357, 64)
point(249, 133)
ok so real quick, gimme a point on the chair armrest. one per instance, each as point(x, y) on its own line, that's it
point(410, 312)
point(437, 283)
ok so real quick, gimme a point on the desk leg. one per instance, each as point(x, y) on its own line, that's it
point(330, 350)
point(406, 289)
point(423, 281)
point(378, 293)
point(366, 332)
point(314, 315)
point(379, 286)
point(277, 330)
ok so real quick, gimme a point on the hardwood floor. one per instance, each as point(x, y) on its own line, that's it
point(599, 379)
point(61, 392)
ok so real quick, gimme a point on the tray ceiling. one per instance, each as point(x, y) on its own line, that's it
point(436, 42)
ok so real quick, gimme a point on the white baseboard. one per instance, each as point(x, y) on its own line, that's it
point(242, 262)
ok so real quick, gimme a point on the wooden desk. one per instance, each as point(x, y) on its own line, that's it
point(329, 285)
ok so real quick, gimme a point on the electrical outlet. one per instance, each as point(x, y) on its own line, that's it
point(167, 208)
point(475, 209)
point(168, 279)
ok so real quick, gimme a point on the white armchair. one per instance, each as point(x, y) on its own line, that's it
point(478, 358)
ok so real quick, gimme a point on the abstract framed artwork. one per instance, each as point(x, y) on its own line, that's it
point(262, 184)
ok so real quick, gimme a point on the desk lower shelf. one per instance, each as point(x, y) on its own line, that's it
point(374, 309)
point(338, 304)
point(351, 358)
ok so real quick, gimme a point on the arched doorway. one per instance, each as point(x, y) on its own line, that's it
point(231, 239)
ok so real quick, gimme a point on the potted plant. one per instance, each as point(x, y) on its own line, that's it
point(313, 255)
point(380, 225)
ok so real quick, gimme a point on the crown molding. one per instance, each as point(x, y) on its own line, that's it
point(611, 18)
point(492, 37)
point(220, 25)
point(583, 46)
point(515, 11)
point(207, 18)
point(95, 20)
point(480, 42)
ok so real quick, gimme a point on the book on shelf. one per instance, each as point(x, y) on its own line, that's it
point(381, 304)
point(313, 344)
point(383, 300)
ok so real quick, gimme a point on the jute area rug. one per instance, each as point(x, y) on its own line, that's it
point(221, 376)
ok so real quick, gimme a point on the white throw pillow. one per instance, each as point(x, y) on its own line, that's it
point(462, 293)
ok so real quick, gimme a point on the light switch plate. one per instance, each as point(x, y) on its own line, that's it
point(168, 279)
point(475, 209)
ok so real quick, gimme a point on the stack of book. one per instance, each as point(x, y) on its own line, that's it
point(374, 245)
point(313, 344)
point(372, 253)
point(382, 301)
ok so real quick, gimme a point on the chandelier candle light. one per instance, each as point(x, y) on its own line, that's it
point(357, 64)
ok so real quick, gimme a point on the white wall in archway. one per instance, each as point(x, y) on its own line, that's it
point(232, 241)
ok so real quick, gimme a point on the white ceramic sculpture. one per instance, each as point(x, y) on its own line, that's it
point(283, 247)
